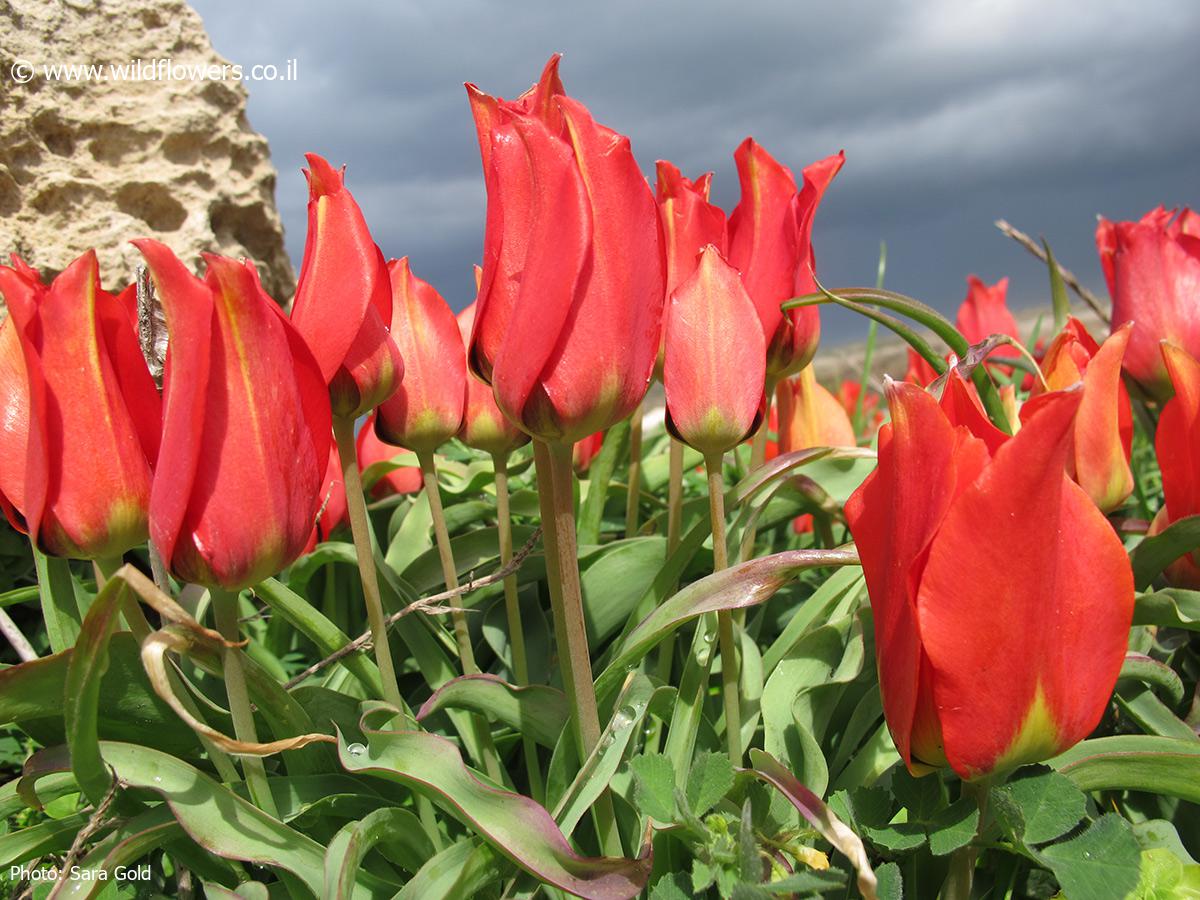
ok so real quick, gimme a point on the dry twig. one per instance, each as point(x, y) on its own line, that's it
point(1068, 276)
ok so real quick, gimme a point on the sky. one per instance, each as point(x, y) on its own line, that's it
point(952, 113)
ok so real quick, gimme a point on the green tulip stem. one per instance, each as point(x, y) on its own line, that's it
point(135, 617)
point(633, 492)
point(758, 456)
point(225, 611)
point(360, 528)
point(960, 879)
point(729, 660)
point(512, 610)
point(556, 496)
point(666, 650)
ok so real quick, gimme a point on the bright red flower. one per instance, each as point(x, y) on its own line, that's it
point(715, 361)
point(343, 302)
point(1102, 439)
point(770, 243)
point(1153, 271)
point(919, 371)
point(689, 222)
point(872, 416)
point(985, 311)
point(570, 306)
point(333, 511)
point(585, 451)
point(371, 450)
point(1002, 598)
point(810, 416)
point(81, 422)
point(484, 427)
point(246, 427)
point(1177, 445)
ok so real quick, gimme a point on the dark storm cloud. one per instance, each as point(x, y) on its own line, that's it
point(952, 113)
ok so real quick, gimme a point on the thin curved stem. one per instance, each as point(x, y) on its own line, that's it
point(633, 492)
point(725, 633)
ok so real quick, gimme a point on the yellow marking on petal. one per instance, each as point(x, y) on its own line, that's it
point(1037, 738)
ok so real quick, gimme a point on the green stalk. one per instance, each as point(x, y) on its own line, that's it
point(666, 650)
point(512, 609)
point(60, 609)
point(633, 491)
point(225, 611)
point(962, 863)
point(758, 456)
point(557, 499)
point(360, 527)
point(729, 660)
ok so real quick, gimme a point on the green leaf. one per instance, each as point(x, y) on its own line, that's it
point(1164, 876)
point(537, 711)
point(461, 870)
point(399, 829)
point(807, 882)
point(1171, 608)
point(654, 786)
point(710, 779)
point(1151, 714)
point(953, 827)
point(600, 473)
point(60, 606)
point(614, 579)
point(515, 826)
point(1059, 300)
point(750, 865)
point(1038, 805)
point(1151, 557)
point(1159, 765)
point(1159, 833)
point(1099, 864)
point(675, 886)
point(891, 883)
point(1150, 671)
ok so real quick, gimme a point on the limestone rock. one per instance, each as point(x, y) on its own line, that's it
point(94, 163)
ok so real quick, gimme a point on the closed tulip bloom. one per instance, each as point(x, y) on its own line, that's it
point(1102, 437)
point(1002, 598)
point(343, 304)
point(689, 221)
point(246, 427)
point(571, 301)
point(484, 427)
point(427, 409)
point(1177, 445)
point(770, 243)
point(1153, 271)
point(715, 362)
point(371, 450)
point(811, 416)
point(984, 312)
point(80, 431)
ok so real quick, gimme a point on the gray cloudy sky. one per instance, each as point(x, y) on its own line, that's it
point(952, 113)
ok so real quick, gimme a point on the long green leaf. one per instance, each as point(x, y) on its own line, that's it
point(1152, 556)
point(398, 829)
point(600, 472)
point(1161, 765)
point(60, 608)
point(1171, 608)
point(1058, 290)
point(461, 870)
point(536, 711)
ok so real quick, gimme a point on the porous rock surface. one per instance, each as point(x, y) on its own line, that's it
point(90, 164)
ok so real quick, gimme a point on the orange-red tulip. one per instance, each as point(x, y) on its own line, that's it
point(427, 409)
point(404, 480)
point(343, 299)
point(81, 414)
point(484, 427)
point(1002, 598)
point(246, 427)
point(689, 222)
point(570, 306)
point(715, 362)
point(770, 243)
point(810, 416)
point(1102, 438)
point(919, 371)
point(585, 451)
point(1177, 444)
point(984, 312)
point(1153, 271)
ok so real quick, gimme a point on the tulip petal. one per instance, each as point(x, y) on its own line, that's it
point(1177, 439)
point(961, 405)
point(1024, 658)
point(1101, 463)
point(689, 222)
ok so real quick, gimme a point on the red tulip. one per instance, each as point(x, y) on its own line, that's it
point(81, 414)
point(246, 427)
point(770, 242)
point(484, 427)
point(1102, 438)
point(1002, 598)
point(1177, 444)
point(570, 306)
point(984, 312)
point(810, 416)
point(1153, 271)
point(343, 299)
point(427, 410)
point(848, 393)
point(715, 362)
point(689, 222)
point(404, 480)
point(585, 451)
point(919, 371)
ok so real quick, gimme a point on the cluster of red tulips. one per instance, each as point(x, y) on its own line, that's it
point(1002, 594)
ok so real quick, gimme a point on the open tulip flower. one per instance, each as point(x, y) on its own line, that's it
point(810, 415)
point(770, 243)
point(1102, 438)
point(571, 300)
point(62, 343)
point(985, 312)
point(1002, 598)
point(1177, 445)
point(343, 304)
point(372, 449)
point(1152, 267)
point(246, 427)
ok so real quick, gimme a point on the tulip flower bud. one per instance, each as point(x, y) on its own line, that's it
point(715, 361)
point(1153, 271)
point(484, 427)
point(810, 416)
point(81, 414)
point(984, 312)
point(1177, 445)
point(986, 568)
point(343, 302)
point(427, 409)
point(246, 427)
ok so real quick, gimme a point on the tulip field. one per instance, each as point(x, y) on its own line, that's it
point(593, 589)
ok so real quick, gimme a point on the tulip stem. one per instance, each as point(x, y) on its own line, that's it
point(633, 492)
point(512, 609)
point(758, 456)
point(729, 660)
point(135, 617)
point(557, 499)
point(360, 528)
point(962, 863)
point(225, 611)
point(666, 650)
